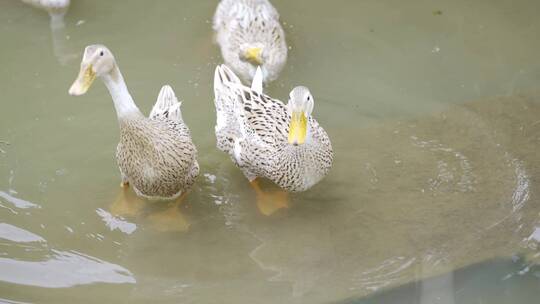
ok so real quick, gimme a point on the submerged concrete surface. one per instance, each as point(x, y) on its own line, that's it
point(494, 281)
point(430, 195)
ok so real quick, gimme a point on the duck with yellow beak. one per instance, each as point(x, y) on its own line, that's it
point(250, 35)
point(155, 154)
point(269, 139)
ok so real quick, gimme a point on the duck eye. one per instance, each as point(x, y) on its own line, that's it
point(309, 98)
point(101, 53)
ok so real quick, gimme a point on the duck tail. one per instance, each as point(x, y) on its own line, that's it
point(226, 85)
point(167, 105)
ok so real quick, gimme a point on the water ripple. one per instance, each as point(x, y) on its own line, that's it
point(115, 223)
point(386, 273)
point(17, 202)
point(16, 234)
point(462, 175)
point(63, 269)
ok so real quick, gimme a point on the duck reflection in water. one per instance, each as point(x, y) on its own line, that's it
point(57, 10)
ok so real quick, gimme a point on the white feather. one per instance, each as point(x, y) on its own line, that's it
point(221, 121)
point(237, 151)
point(257, 83)
point(167, 105)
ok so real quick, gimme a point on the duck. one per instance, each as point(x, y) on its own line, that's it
point(267, 138)
point(156, 154)
point(250, 35)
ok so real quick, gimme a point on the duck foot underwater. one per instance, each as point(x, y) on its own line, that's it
point(269, 202)
point(170, 219)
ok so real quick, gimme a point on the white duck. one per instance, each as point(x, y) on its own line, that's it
point(267, 138)
point(250, 35)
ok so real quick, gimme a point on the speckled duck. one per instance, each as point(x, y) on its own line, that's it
point(266, 138)
point(155, 154)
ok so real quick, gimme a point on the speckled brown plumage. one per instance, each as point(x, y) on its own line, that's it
point(156, 154)
point(252, 128)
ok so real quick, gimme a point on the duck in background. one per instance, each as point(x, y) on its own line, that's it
point(250, 35)
point(267, 138)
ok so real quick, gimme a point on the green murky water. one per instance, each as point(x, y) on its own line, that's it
point(434, 115)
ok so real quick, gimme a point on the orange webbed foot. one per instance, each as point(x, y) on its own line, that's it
point(270, 202)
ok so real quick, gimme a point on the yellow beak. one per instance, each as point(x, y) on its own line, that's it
point(83, 81)
point(298, 128)
point(253, 55)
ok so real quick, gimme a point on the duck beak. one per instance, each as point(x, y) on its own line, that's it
point(298, 128)
point(84, 81)
point(253, 55)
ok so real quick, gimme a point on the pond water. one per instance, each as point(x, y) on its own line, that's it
point(433, 109)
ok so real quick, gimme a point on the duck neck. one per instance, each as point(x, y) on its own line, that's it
point(123, 102)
